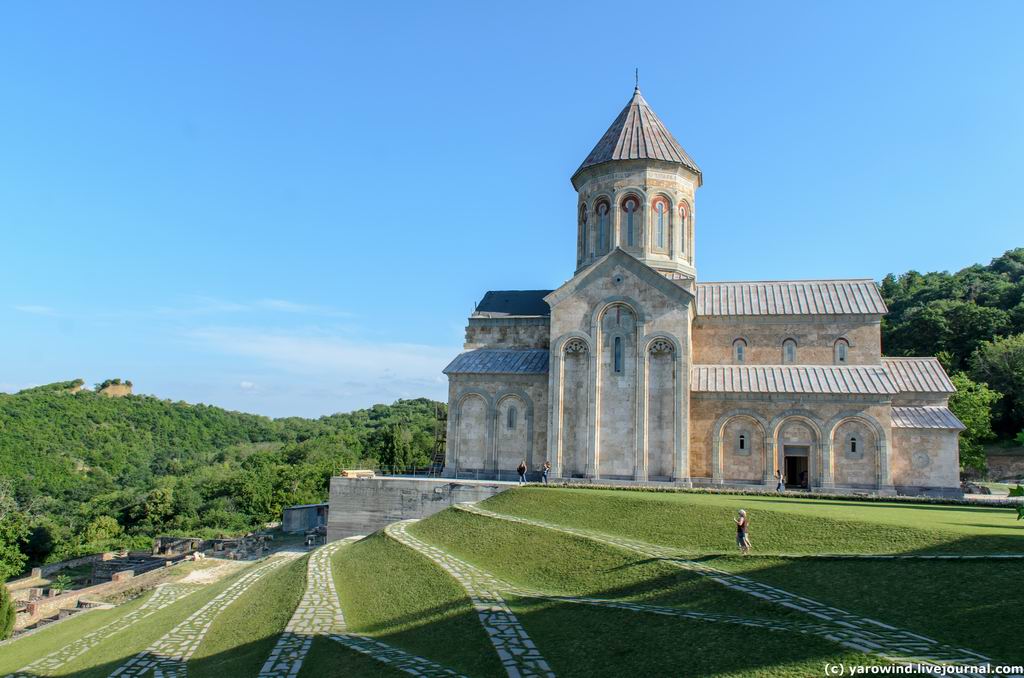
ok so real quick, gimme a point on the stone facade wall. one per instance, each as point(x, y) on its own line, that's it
point(769, 423)
point(480, 439)
point(526, 332)
point(925, 458)
point(630, 426)
point(365, 505)
point(815, 339)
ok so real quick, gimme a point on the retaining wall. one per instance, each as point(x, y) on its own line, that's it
point(365, 505)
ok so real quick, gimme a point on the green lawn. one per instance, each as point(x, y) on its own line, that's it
point(328, 658)
point(702, 523)
point(591, 641)
point(241, 637)
point(973, 604)
point(110, 653)
point(392, 593)
point(561, 564)
point(17, 654)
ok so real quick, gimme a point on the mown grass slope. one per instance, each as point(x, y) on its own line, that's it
point(22, 651)
point(702, 523)
point(396, 595)
point(581, 640)
point(241, 637)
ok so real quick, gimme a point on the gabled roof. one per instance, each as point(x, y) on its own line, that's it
point(498, 303)
point(638, 134)
point(789, 297)
point(606, 264)
point(500, 361)
point(918, 375)
point(925, 417)
point(845, 379)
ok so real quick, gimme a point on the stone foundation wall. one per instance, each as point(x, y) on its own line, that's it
point(365, 505)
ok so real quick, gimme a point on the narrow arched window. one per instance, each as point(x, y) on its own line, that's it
point(853, 444)
point(739, 351)
point(789, 352)
point(743, 442)
point(660, 232)
point(684, 233)
point(584, 245)
point(602, 227)
point(617, 355)
point(629, 207)
point(510, 418)
point(842, 351)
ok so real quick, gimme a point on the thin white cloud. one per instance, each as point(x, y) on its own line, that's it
point(35, 309)
point(199, 306)
point(247, 386)
point(411, 368)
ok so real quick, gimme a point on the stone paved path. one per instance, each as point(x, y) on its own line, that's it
point(168, 656)
point(850, 630)
point(319, 614)
point(162, 596)
point(517, 653)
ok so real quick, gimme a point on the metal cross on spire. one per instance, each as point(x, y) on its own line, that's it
point(636, 78)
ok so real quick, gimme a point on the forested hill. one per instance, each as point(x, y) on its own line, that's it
point(973, 320)
point(84, 472)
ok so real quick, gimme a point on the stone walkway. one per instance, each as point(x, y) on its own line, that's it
point(319, 613)
point(168, 656)
point(848, 629)
point(163, 595)
point(517, 653)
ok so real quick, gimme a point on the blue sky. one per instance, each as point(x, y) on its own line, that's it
point(290, 208)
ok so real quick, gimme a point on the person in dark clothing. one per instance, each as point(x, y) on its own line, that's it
point(521, 470)
point(780, 481)
point(544, 471)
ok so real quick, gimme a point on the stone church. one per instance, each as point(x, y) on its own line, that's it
point(633, 371)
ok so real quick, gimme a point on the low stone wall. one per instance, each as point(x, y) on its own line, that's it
point(39, 574)
point(365, 505)
point(41, 608)
point(1005, 466)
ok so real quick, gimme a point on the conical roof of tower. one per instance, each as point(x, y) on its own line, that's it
point(638, 134)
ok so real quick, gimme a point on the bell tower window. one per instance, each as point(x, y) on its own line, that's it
point(630, 206)
point(602, 227)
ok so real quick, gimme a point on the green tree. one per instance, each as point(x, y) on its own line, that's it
point(1000, 364)
point(13, 529)
point(972, 404)
point(6, 612)
point(103, 530)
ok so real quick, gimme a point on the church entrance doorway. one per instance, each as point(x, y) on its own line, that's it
point(796, 465)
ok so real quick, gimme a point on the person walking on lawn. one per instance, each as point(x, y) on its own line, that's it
point(742, 528)
point(780, 481)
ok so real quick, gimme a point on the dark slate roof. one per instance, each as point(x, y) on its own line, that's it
point(500, 361)
point(498, 303)
point(638, 134)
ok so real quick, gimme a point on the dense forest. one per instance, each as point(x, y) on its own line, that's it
point(81, 472)
point(973, 321)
